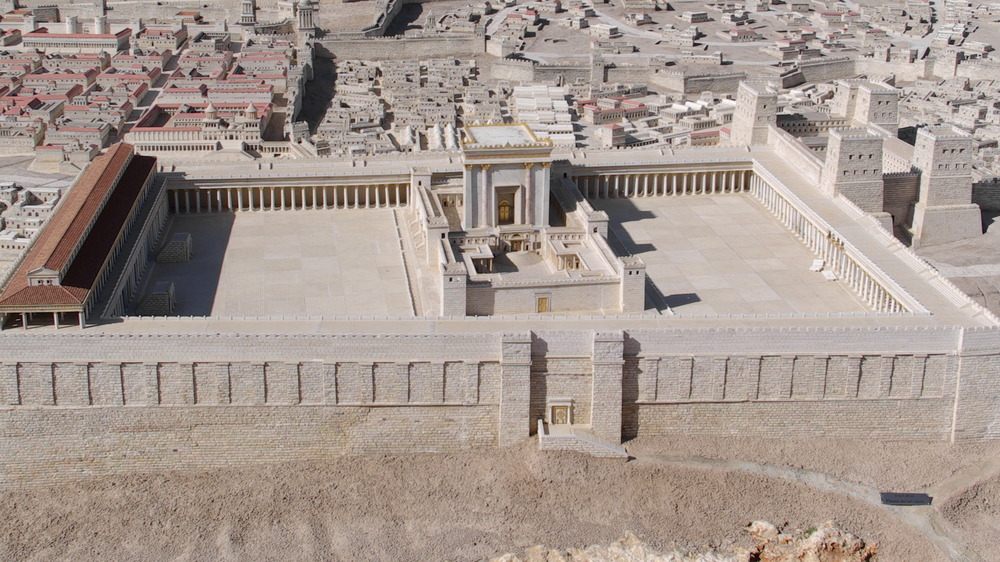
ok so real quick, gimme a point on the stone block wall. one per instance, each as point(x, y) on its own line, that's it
point(987, 195)
point(54, 445)
point(486, 300)
point(390, 47)
point(900, 192)
point(570, 377)
point(253, 399)
point(83, 384)
point(827, 69)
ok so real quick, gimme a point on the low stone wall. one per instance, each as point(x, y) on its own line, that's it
point(483, 299)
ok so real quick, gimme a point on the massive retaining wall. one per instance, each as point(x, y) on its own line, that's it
point(696, 83)
point(75, 404)
point(379, 48)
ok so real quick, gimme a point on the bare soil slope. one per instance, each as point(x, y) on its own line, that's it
point(473, 505)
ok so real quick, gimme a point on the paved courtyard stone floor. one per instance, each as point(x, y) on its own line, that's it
point(724, 254)
point(296, 263)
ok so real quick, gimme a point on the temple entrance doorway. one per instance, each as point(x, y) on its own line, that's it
point(508, 209)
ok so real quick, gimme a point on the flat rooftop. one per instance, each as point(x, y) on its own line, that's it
point(500, 135)
point(723, 254)
point(300, 263)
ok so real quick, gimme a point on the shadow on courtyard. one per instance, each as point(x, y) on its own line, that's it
point(196, 282)
point(623, 244)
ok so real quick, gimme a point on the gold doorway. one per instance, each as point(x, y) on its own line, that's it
point(505, 212)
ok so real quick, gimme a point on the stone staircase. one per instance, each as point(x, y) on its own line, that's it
point(576, 438)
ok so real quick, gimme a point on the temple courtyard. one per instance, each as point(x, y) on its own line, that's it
point(301, 263)
point(723, 254)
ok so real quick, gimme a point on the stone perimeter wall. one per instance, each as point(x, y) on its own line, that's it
point(145, 408)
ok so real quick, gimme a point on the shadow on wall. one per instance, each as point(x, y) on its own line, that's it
point(196, 282)
point(318, 92)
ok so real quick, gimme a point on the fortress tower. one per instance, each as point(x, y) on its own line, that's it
point(853, 168)
point(944, 211)
point(867, 103)
point(248, 12)
point(756, 110)
point(305, 17)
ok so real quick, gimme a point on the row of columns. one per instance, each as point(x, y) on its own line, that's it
point(828, 247)
point(187, 201)
point(139, 259)
point(57, 318)
point(618, 186)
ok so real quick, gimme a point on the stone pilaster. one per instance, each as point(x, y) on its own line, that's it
point(515, 388)
point(606, 399)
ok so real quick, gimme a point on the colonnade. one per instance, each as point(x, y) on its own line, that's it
point(827, 245)
point(214, 200)
point(138, 259)
point(653, 184)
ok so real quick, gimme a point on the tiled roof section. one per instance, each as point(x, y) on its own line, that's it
point(86, 266)
point(78, 211)
point(59, 238)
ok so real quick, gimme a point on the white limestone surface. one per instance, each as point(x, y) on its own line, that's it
point(302, 263)
point(724, 254)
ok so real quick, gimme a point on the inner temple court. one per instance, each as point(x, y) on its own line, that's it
point(723, 254)
point(306, 263)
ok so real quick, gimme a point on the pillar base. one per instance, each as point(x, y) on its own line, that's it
point(944, 224)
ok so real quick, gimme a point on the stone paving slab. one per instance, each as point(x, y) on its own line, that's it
point(302, 263)
point(724, 254)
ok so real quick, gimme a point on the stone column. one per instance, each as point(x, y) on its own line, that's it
point(606, 400)
point(515, 388)
point(527, 198)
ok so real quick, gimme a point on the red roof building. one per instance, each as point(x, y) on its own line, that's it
point(69, 261)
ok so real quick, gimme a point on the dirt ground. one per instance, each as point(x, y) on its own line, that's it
point(484, 503)
point(976, 513)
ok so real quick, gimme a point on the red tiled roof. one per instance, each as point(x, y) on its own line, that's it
point(62, 234)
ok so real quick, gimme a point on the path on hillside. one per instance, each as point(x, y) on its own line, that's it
point(925, 519)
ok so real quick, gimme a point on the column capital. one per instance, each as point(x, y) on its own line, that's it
point(528, 165)
point(470, 166)
point(485, 166)
point(546, 164)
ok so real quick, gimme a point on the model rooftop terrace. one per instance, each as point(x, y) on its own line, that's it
point(501, 136)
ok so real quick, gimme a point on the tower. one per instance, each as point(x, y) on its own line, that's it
point(756, 111)
point(866, 103)
point(305, 17)
point(248, 12)
point(944, 211)
point(853, 168)
point(877, 105)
